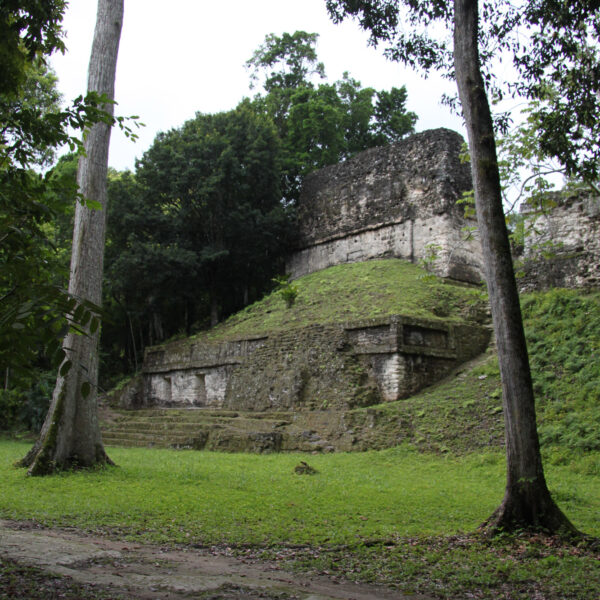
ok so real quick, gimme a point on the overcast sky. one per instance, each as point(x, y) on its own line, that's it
point(183, 56)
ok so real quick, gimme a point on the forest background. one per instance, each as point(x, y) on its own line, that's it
point(202, 226)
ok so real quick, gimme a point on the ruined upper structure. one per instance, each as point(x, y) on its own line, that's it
point(391, 201)
point(562, 245)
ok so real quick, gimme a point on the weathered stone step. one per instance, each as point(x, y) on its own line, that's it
point(227, 440)
point(200, 414)
point(128, 443)
point(158, 426)
point(229, 431)
point(195, 422)
point(145, 436)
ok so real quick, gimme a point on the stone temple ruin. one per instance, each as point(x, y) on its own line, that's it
point(391, 201)
point(335, 366)
point(293, 386)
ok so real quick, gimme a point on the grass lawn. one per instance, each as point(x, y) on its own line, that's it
point(393, 516)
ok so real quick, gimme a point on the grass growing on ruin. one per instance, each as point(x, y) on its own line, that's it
point(351, 292)
point(464, 413)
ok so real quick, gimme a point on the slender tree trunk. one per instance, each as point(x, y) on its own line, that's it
point(527, 503)
point(214, 308)
point(135, 361)
point(141, 332)
point(71, 435)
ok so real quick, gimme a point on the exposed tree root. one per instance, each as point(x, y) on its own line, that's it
point(529, 508)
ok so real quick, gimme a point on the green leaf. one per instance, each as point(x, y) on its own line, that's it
point(78, 314)
point(94, 325)
point(65, 368)
point(93, 204)
point(58, 358)
point(87, 315)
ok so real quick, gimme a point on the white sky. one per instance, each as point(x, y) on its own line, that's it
point(183, 56)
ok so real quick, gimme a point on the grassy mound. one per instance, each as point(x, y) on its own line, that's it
point(464, 413)
point(354, 292)
point(563, 336)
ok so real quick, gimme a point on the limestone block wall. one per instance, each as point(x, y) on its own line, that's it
point(562, 248)
point(187, 374)
point(405, 355)
point(322, 366)
point(392, 201)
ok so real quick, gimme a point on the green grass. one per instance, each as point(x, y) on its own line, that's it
point(395, 516)
point(210, 498)
point(563, 337)
point(357, 291)
point(459, 415)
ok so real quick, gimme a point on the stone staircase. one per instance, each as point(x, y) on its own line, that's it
point(229, 431)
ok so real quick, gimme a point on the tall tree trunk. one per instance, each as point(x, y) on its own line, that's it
point(527, 503)
point(71, 435)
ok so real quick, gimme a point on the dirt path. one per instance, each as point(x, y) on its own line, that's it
point(151, 572)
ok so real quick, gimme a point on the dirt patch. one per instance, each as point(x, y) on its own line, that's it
point(117, 569)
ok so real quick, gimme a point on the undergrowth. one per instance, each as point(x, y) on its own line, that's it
point(519, 567)
point(563, 337)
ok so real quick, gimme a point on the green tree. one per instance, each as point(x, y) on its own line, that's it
point(33, 305)
point(287, 62)
point(321, 124)
point(31, 125)
point(560, 71)
point(200, 229)
point(150, 276)
point(28, 29)
point(527, 502)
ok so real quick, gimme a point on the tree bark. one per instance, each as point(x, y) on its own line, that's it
point(527, 503)
point(70, 436)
